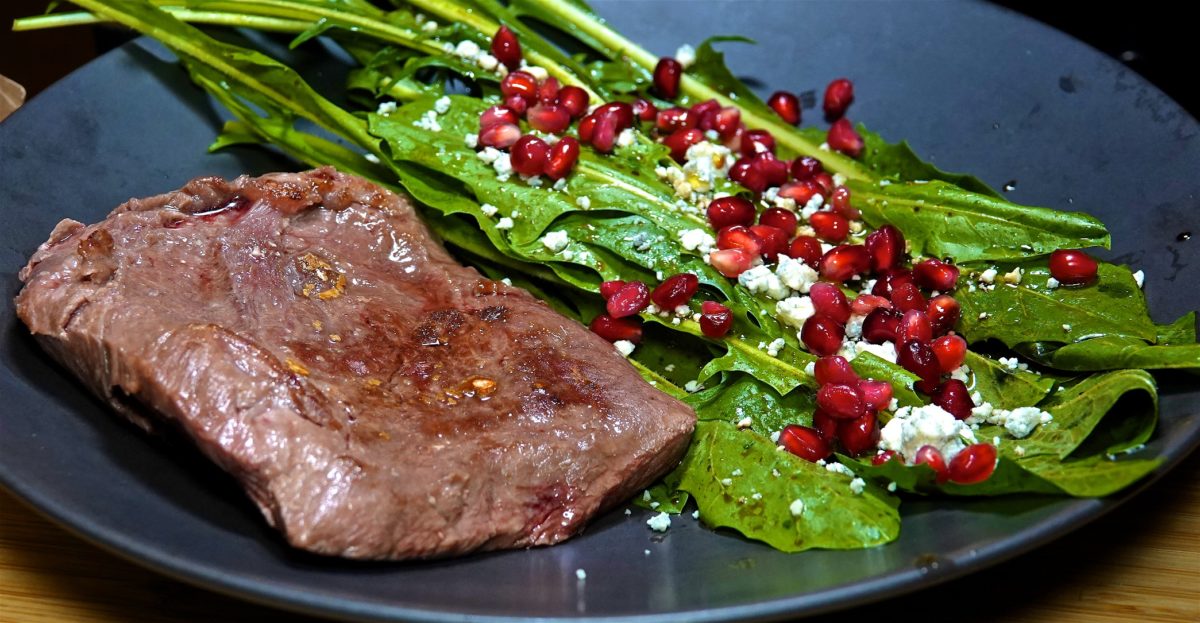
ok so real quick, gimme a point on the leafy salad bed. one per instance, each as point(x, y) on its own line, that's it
point(620, 215)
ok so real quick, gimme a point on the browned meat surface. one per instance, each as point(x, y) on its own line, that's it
point(374, 398)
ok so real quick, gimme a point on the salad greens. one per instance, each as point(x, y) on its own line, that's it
point(1077, 354)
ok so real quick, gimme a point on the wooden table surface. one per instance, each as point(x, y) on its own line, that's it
point(1139, 563)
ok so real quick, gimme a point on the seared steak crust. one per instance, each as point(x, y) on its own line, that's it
point(375, 398)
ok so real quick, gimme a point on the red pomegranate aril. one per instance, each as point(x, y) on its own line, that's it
point(631, 299)
point(935, 274)
point(616, 329)
point(864, 304)
point(731, 210)
point(757, 142)
point(529, 155)
point(715, 319)
point(881, 325)
point(500, 136)
point(951, 351)
point(666, 77)
point(804, 442)
point(731, 262)
point(843, 262)
point(517, 104)
point(805, 167)
point(562, 158)
point(844, 138)
point(496, 115)
point(943, 311)
point(891, 278)
point(548, 91)
point(587, 128)
point(828, 299)
point(907, 296)
point(875, 394)
point(604, 133)
point(839, 199)
point(806, 249)
point(1072, 267)
point(917, 357)
point(834, 369)
point(774, 240)
point(740, 237)
point(506, 48)
point(838, 96)
point(672, 119)
point(825, 182)
point(784, 220)
point(548, 118)
point(774, 171)
point(727, 122)
point(621, 110)
point(706, 113)
point(676, 290)
point(973, 464)
point(886, 246)
point(745, 173)
point(884, 457)
point(830, 226)
point(644, 109)
point(825, 424)
point(519, 83)
point(786, 105)
point(822, 335)
point(929, 455)
point(860, 435)
point(574, 99)
point(679, 141)
point(609, 288)
point(840, 401)
point(914, 325)
point(954, 398)
point(800, 192)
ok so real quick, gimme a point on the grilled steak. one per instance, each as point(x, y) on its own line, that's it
point(375, 398)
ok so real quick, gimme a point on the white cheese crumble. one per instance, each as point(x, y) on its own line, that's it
point(428, 121)
point(1139, 278)
point(488, 209)
point(761, 280)
point(838, 468)
point(488, 154)
point(467, 49)
point(386, 108)
point(854, 326)
point(555, 240)
point(988, 276)
point(775, 346)
point(697, 240)
point(796, 508)
point(487, 62)
point(961, 373)
point(1013, 276)
point(745, 423)
point(885, 350)
point(583, 202)
point(794, 310)
point(625, 138)
point(372, 158)
point(812, 207)
point(686, 55)
point(857, 485)
point(502, 166)
point(472, 140)
point(625, 347)
point(795, 274)
point(504, 223)
point(692, 387)
point(930, 425)
point(442, 104)
point(660, 522)
point(1051, 283)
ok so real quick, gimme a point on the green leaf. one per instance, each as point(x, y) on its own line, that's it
point(757, 503)
point(742, 396)
point(870, 366)
point(1182, 331)
point(898, 162)
point(663, 498)
point(1110, 352)
point(1093, 476)
point(1003, 387)
point(710, 69)
point(1078, 411)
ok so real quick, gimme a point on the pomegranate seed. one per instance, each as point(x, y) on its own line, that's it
point(973, 464)
point(679, 141)
point(621, 110)
point(890, 278)
point(673, 119)
point(806, 249)
point(529, 155)
point(616, 329)
point(951, 351)
point(825, 181)
point(786, 105)
point(860, 435)
point(574, 99)
point(805, 167)
point(500, 136)
point(774, 171)
point(828, 299)
point(506, 48)
point(549, 118)
point(935, 274)
point(740, 237)
point(825, 424)
point(715, 319)
point(800, 192)
point(784, 220)
point(758, 142)
point(727, 122)
point(496, 115)
point(840, 200)
point(838, 96)
point(521, 84)
point(914, 325)
point(864, 304)
point(604, 134)
point(881, 325)
point(844, 138)
point(834, 369)
point(830, 226)
point(886, 246)
point(644, 110)
point(563, 156)
point(804, 442)
point(954, 398)
point(745, 173)
point(548, 91)
point(906, 296)
point(876, 394)
point(676, 290)
point(822, 335)
point(706, 114)
point(731, 210)
point(840, 401)
point(773, 239)
point(666, 77)
point(731, 262)
point(943, 312)
point(609, 288)
point(843, 262)
point(884, 457)
point(1072, 267)
point(917, 357)
point(632, 298)
point(734, 142)
point(517, 104)
point(587, 128)
point(929, 455)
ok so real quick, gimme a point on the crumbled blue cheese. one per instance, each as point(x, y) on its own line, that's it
point(625, 347)
point(472, 140)
point(442, 104)
point(794, 310)
point(914, 427)
point(429, 26)
point(961, 373)
point(504, 223)
point(838, 468)
point(467, 49)
point(1013, 276)
point(745, 422)
point(705, 163)
point(372, 158)
point(696, 514)
point(796, 508)
point(488, 209)
point(1019, 422)
point(1139, 278)
point(988, 276)
point(812, 206)
point(660, 522)
point(488, 154)
point(854, 326)
point(885, 350)
point(775, 346)
point(626, 137)
point(1012, 363)
point(428, 121)
point(555, 241)
point(857, 485)
point(761, 280)
point(697, 240)
point(795, 274)
point(386, 108)
point(1051, 283)
point(502, 166)
point(891, 487)
point(487, 62)
point(692, 387)
point(686, 55)
point(583, 202)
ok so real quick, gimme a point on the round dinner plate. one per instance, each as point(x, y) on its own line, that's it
point(972, 87)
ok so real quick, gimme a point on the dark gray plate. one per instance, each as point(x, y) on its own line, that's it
point(973, 87)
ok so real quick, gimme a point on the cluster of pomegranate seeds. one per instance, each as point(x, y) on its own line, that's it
point(973, 464)
point(846, 413)
point(624, 300)
point(1072, 267)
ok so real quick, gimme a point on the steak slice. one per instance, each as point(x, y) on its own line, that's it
point(375, 398)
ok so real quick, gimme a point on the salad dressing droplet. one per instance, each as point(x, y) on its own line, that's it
point(1184, 236)
point(1010, 186)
